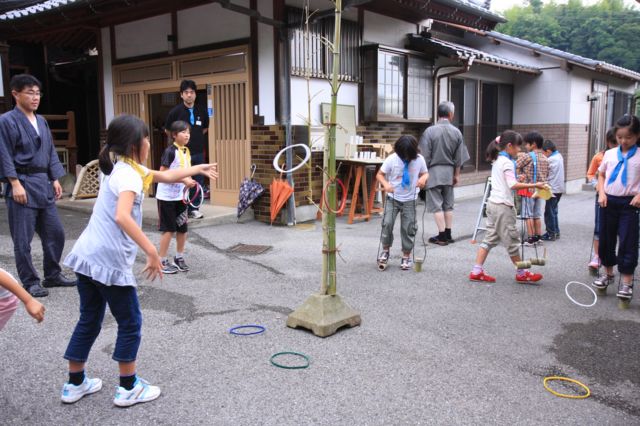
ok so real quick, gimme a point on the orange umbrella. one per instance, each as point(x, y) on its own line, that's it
point(280, 191)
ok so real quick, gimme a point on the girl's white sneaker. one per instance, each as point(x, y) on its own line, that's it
point(72, 393)
point(142, 392)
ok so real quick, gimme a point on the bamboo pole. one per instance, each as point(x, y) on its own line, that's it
point(329, 279)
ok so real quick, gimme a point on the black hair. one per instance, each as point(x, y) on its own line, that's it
point(406, 147)
point(179, 126)
point(20, 81)
point(500, 143)
point(124, 137)
point(187, 84)
point(534, 137)
point(611, 137)
point(630, 121)
point(548, 145)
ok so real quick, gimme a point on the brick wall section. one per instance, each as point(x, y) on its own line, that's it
point(389, 132)
point(266, 141)
point(572, 140)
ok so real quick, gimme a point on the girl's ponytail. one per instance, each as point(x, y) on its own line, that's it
point(124, 138)
point(492, 151)
point(500, 143)
point(104, 160)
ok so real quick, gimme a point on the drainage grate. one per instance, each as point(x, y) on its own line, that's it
point(248, 249)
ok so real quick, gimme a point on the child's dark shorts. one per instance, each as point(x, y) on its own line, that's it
point(173, 216)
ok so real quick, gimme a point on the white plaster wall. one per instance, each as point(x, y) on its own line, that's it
point(142, 37)
point(384, 30)
point(266, 63)
point(107, 76)
point(212, 23)
point(543, 99)
point(321, 93)
point(580, 108)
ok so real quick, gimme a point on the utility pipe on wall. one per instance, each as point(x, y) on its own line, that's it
point(436, 79)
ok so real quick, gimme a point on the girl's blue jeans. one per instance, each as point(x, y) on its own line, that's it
point(123, 304)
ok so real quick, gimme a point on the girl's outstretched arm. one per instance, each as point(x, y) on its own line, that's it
point(123, 218)
point(177, 175)
point(34, 308)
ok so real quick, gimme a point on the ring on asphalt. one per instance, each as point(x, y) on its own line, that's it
point(566, 379)
point(290, 367)
point(258, 330)
point(566, 291)
point(307, 156)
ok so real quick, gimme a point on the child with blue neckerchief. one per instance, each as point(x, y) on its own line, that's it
point(501, 212)
point(619, 199)
point(400, 174)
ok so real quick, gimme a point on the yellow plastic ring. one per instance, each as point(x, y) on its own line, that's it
point(564, 395)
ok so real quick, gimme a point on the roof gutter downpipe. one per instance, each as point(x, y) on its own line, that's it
point(436, 78)
point(285, 116)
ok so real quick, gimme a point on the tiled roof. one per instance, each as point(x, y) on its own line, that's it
point(474, 8)
point(33, 9)
point(466, 52)
point(592, 64)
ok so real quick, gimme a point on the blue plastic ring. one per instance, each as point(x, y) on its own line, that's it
point(260, 329)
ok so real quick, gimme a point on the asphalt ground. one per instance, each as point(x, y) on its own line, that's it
point(433, 348)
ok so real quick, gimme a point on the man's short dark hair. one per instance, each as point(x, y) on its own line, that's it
point(188, 84)
point(445, 108)
point(548, 145)
point(534, 137)
point(20, 81)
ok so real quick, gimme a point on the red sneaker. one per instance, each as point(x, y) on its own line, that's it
point(482, 277)
point(528, 277)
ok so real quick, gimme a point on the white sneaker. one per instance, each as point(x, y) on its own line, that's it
point(195, 214)
point(142, 392)
point(72, 393)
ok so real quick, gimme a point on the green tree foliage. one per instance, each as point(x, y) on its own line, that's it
point(607, 31)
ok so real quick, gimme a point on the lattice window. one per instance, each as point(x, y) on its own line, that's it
point(319, 56)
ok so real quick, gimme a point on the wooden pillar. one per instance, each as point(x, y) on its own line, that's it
point(5, 100)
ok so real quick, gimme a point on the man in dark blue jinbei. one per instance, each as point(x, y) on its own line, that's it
point(30, 166)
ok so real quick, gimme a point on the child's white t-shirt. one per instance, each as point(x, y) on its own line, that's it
point(393, 168)
point(616, 188)
point(503, 177)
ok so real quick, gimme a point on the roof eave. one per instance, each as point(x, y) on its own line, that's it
point(481, 12)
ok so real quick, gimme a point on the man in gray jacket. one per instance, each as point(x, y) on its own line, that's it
point(444, 151)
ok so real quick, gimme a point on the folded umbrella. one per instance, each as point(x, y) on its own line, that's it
point(280, 192)
point(250, 190)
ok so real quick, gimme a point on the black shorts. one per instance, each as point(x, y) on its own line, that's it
point(172, 216)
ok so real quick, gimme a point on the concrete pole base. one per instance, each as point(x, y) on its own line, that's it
point(323, 315)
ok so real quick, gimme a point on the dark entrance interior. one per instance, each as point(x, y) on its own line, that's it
point(159, 106)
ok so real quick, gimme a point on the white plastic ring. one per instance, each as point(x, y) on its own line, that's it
point(293, 169)
point(199, 199)
point(595, 296)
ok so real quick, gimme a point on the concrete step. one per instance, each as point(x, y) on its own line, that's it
point(213, 215)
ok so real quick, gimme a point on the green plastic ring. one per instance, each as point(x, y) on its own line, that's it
point(290, 367)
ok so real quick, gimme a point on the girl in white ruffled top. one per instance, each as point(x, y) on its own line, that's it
point(103, 258)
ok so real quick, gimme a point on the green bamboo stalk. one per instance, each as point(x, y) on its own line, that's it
point(329, 279)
